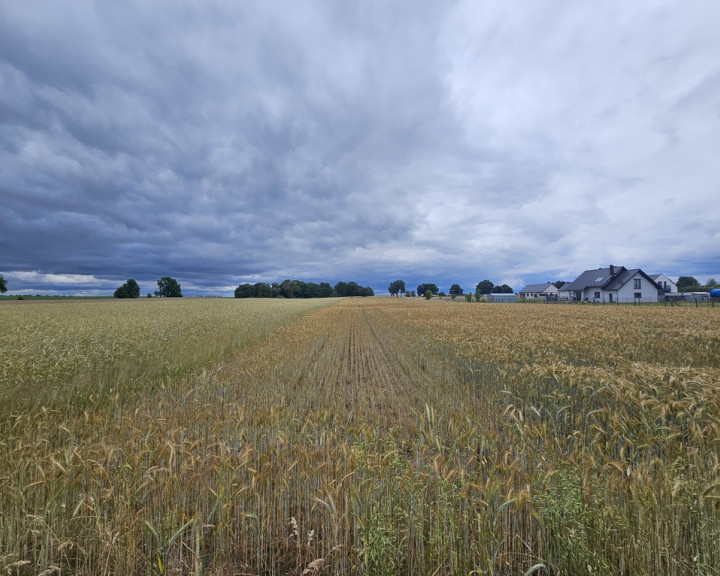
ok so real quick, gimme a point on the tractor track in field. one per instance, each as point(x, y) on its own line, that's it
point(349, 357)
point(353, 363)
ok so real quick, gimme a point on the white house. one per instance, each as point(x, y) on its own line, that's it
point(665, 283)
point(613, 284)
point(539, 291)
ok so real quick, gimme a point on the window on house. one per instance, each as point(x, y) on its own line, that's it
point(597, 295)
point(636, 283)
point(638, 295)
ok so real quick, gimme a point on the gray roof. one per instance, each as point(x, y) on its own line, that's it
point(592, 279)
point(622, 279)
point(601, 278)
point(535, 287)
point(619, 280)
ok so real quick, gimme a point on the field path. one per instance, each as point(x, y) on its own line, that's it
point(351, 357)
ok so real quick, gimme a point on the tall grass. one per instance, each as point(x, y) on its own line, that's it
point(372, 437)
point(94, 347)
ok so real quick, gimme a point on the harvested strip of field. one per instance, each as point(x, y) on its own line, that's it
point(350, 359)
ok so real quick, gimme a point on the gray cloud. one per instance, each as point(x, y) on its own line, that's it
point(223, 142)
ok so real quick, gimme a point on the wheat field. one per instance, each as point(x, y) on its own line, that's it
point(358, 436)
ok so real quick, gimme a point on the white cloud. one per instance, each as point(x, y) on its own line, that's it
point(40, 278)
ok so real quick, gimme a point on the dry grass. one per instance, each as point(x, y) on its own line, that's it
point(376, 436)
point(49, 347)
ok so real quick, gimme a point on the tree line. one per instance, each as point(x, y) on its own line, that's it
point(429, 289)
point(167, 288)
point(300, 289)
point(690, 284)
point(170, 288)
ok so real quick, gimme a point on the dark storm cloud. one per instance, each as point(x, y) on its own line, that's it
point(221, 142)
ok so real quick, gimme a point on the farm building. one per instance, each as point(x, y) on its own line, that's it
point(497, 297)
point(613, 284)
point(539, 291)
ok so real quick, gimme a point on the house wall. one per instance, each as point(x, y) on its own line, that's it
point(550, 290)
point(589, 294)
point(664, 280)
point(605, 296)
point(625, 294)
point(648, 291)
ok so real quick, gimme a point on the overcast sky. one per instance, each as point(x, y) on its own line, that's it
point(222, 142)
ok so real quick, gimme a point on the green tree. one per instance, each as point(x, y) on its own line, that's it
point(245, 291)
point(484, 287)
point(128, 290)
point(311, 290)
point(502, 289)
point(456, 290)
point(428, 294)
point(687, 284)
point(3, 284)
point(397, 287)
point(291, 289)
point(559, 284)
point(263, 290)
point(344, 289)
point(422, 288)
point(168, 288)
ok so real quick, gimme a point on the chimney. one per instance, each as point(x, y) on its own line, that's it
point(612, 270)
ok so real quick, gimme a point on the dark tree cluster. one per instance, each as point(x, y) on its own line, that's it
point(396, 287)
point(300, 289)
point(168, 288)
point(3, 284)
point(487, 287)
point(484, 287)
point(691, 284)
point(128, 290)
point(422, 289)
point(352, 289)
